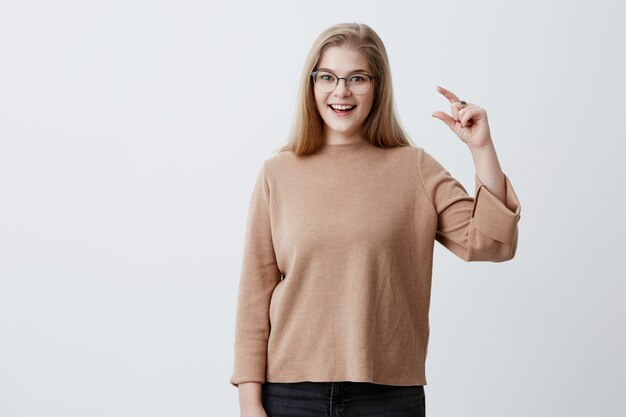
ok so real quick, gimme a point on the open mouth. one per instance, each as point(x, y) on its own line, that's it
point(341, 110)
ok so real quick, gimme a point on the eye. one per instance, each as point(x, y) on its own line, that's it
point(325, 76)
point(357, 78)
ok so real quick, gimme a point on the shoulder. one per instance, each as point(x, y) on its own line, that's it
point(415, 155)
point(286, 161)
point(417, 151)
point(277, 164)
point(426, 166)
point(425, 161)
point(279, 160)
point(411, 150)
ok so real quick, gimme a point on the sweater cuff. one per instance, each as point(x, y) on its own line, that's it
point(250, 362)
point(494, 218)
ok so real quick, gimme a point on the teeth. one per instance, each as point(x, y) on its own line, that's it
point(339, 107)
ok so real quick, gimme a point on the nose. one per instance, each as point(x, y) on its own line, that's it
point(341, 90)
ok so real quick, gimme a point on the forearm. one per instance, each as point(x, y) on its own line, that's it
point(488, 170)
point(249, 394)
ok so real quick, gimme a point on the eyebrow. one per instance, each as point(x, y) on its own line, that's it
point(351, 72)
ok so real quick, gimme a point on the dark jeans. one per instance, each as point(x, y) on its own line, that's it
point(342, 399)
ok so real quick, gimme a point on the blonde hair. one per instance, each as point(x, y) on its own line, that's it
point(381, 127)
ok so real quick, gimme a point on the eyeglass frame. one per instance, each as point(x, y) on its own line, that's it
point(345, 79)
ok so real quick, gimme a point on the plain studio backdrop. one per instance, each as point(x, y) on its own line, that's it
point(131, 133)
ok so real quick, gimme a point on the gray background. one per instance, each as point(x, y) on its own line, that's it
point(131, 133)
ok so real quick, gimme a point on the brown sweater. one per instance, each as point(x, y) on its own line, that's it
point(337, 262)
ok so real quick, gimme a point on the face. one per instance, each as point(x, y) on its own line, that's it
point(342, 126)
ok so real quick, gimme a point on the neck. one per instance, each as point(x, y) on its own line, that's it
point(337, 138)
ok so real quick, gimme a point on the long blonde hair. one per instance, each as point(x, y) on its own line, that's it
point(381, 127)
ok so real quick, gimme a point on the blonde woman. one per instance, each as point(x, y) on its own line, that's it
point(333, 302)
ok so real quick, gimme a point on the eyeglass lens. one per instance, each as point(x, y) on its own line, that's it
point(356, 83)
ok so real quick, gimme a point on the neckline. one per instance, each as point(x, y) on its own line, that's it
point(344, 148)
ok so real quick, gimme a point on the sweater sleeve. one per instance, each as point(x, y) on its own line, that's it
point(480, 228)
point(259, 277)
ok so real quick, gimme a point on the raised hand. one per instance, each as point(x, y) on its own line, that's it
point(468, 121)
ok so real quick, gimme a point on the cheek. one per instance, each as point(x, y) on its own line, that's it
point(320, 101)
point(367, 105)
point(319, 98)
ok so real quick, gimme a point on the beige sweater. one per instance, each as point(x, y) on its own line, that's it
point(337, 262)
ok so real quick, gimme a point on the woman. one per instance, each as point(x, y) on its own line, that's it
point(332, 312)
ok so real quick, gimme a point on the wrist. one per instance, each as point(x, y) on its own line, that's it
point(243, 408)
point(249, 394)
point(487, 147)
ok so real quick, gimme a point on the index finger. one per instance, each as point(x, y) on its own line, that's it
point(448, 94)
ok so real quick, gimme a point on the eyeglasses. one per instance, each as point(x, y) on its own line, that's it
point(326, 82)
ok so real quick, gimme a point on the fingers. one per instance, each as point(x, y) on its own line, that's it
point(446, 119)
point(448, 94)
point(470, 114)
point(462, 113)
point(465, 116)
point(455, 109)
point(458, 108)
point(456, 102)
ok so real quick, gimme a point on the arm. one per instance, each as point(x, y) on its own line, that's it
point(483, 228)
point(489, 171)
point(249, 397)
point(469, 123)
point(259, 277)
point(480, 228)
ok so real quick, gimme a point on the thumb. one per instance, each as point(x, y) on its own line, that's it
point(446, 119)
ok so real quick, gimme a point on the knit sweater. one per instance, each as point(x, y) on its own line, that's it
point(337, 262)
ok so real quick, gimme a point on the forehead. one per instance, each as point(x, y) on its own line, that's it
point(343, 59)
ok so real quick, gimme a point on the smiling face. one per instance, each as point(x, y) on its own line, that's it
point(344, 126)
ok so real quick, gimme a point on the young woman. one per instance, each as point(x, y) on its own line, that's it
point(332, 311)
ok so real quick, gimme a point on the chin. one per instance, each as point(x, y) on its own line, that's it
point(341, 127)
